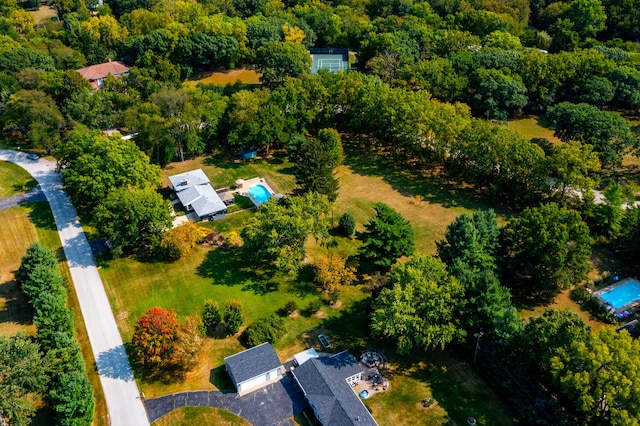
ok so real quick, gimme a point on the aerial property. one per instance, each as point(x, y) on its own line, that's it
point(196, 194)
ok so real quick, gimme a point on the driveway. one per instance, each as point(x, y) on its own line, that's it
point(32, 195)
point(120, 389)
point(274, 404)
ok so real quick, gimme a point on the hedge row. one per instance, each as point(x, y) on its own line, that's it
point(70, 390)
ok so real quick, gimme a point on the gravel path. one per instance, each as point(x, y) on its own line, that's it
point(120, 389)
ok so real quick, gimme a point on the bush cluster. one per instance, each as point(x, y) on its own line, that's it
point(269, 329)
point(43, 285)
point(592, 305)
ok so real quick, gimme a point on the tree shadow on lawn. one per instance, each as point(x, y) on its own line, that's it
point(40, 215)
point(454, 384)
point(410, 178)
point(347, 330)
point(231, 268)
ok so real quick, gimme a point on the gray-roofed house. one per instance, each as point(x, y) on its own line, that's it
point(195, 192)
point(256, 367)
point(326, 383)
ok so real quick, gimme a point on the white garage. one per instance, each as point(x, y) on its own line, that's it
point(256, 367)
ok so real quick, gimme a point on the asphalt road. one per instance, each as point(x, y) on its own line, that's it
point(120, 389)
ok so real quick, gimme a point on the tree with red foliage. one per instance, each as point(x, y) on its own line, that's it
point(154, 337)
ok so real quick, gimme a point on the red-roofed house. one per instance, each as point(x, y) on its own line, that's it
point(96, 74)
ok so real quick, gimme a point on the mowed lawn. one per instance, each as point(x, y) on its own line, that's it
point(201, 416)
point(14, 179)
point(22, 226)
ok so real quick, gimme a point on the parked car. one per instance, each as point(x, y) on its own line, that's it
point(33, 157)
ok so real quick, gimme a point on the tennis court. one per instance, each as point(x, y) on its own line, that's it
point(330, 62)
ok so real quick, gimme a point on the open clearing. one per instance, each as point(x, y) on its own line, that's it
point(43, 13)
point(222, 78)
point(530, 128)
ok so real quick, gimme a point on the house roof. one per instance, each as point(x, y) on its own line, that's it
point(253, 362)
point(323, 381)
point(193, 189)
point(97, 71)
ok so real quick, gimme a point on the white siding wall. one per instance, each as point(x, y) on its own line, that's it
point(257, 381)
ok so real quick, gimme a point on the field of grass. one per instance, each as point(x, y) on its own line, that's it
point(14, 179)
point(530, 128)
point(459, 394)
point(222, 78)
point(21, 226)
point(201, 416)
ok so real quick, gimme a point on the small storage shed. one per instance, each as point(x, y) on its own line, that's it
point(254, 368)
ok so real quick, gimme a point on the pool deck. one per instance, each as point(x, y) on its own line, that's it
point(632, 305)
point(242, 188)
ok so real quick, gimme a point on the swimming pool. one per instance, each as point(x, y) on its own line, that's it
point(260, 193)
point(623, 294)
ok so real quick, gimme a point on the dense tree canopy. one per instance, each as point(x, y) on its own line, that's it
point(277, 233)
point(420, 306)
point(549, 245)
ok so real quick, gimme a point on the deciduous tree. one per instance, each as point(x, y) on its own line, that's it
point(154, 336)
point(420, 308)
point(331, 271)
point(549, 245)
point(276, 234)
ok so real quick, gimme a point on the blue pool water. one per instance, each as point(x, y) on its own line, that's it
point(260, 193)
point(623, 294)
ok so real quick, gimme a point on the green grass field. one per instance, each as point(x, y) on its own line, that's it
point(530, 128)
point(14, 179)
point(201, 416)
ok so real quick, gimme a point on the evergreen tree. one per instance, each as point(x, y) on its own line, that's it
point(388, 236)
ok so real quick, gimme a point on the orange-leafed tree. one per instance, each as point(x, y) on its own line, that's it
point(154, 337)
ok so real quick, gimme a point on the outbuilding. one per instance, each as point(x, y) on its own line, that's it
point(254, 368)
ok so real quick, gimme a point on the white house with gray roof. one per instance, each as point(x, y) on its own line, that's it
point(253, 368)
point(326, 382)
point(196, 194)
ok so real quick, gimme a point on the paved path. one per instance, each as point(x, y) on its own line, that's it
point(273, 405)
point(120, 389)
point(34, 194)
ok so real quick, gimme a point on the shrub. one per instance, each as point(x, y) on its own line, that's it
point(179, 241)
point(314, 306)
point(211, 315)
point(269, 329)
point(331, 271)
point(347, 224)
point(591, 305)
point(290, 307)
point(233, 316)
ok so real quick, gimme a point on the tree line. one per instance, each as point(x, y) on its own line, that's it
point(51, 364)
